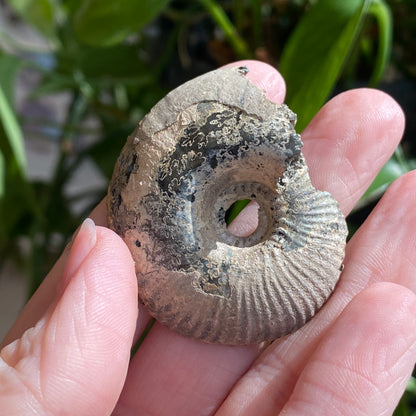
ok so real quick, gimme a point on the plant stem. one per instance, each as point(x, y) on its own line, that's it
point(257, 26)
point(42, 231)
point(237, 42)
point(381, 12)
point(401, 159)
point(238, 14)
point(139, 342)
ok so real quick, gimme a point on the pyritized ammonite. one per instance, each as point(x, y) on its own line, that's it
point(212, 141)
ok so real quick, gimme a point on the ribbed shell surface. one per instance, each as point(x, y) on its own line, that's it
point(215, 140)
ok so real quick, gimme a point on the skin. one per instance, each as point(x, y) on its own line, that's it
point(69, 351)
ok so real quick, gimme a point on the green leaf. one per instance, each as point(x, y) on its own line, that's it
point(11, 138)
point(2, 175)
point(39, 13)
point(106, 23)
point(119, 63)
point(235, 209)
point(100, 67)
point(230, 32)
point(72, 5)
point(405, 407)
point(381, 12)
point(12, 170)
point(16, 196)
point(9, 66)
point(12, 155)
point(391, 171)
point(411, 386)
point(315, 54)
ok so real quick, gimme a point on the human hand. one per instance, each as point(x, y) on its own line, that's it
point(69, 350)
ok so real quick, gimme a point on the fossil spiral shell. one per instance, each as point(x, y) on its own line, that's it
point(208, 143)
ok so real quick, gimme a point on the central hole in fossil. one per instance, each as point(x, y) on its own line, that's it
point(242, 217)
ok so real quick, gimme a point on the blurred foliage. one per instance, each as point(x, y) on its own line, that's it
point(115, 60)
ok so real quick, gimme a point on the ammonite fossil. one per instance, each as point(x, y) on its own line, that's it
point(212, 141)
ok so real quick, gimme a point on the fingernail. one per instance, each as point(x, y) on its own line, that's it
point(83, 242)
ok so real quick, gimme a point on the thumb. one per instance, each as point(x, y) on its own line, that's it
point(75, 359)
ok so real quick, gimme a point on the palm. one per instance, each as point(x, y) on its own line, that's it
point(353, 358)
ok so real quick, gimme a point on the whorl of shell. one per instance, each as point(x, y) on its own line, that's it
point(208, 143)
